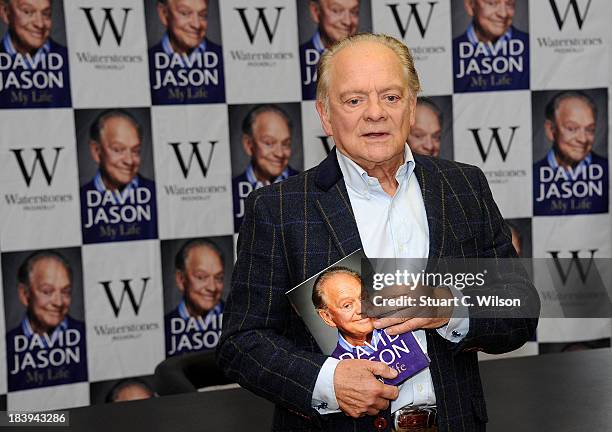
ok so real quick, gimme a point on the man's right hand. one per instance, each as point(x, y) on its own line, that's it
point(358, 391)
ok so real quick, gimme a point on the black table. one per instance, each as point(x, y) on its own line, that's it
point(554, 392)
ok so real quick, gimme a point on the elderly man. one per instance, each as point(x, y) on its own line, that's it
point(426, 134)
point(492, 54)
point(195, 324)
point(371, 192)
point(118, 203)
point(571, 178)
point(335, 19)
point(185, 66)
point(48, 346)
point(266, 137)
point(27, 48)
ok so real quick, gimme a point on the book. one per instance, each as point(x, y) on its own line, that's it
point(330, 304)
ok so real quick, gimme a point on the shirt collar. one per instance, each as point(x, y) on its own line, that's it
point(552, 160)
point(358, 179)
point(251, 178)
point(184, 313)
point(471, 35)
point(348, 347)
point(27, 330)
point(101, 187)
point(7, 43)
point(167, 47)
point(317, 42)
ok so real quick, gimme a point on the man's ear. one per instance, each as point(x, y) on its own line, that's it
point(180, 281)
point(413, 103)
point(4, 12)
point(324, 116)
point(549, 130)
point(22, 292)
point(469, 7)
point(326, 317)
point(162, 12)
point(94, 149)
point(315, 11)
point(247, 144)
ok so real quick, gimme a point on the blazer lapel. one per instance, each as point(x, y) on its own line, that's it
point(432, 189)
point(335, 207)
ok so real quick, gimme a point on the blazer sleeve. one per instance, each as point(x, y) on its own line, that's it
point(257, 347)
point(498, 329)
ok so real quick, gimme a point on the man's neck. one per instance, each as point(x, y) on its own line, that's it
point(359, 341)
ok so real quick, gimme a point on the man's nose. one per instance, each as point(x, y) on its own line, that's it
point(374, 110)
point(346, 18)
point(503, 10)
point(38, 21)
point(581, 135)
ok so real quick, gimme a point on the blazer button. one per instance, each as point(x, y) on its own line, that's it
point(455, 333)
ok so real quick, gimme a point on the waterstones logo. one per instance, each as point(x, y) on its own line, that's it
point(263, 20)
point(421, 24)
point(106, 29)
point(185, 163)
point(117, 305)
point(37, 166)
point(582, 266)
point(498, 176)
point(135, 299)
point(562, 17)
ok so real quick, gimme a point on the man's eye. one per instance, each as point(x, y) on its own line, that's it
point(392, 98)
point(353, 102)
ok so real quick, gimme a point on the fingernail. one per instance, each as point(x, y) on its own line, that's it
point(377, 324)
point(394, 373)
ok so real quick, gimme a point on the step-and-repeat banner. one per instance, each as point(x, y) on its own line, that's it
point(132, 131)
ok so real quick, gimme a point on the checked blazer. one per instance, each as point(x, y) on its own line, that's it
point(294, 229)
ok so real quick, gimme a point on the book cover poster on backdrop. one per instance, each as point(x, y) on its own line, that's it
point(34, 70)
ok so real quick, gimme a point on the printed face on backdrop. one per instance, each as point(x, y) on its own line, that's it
point(371, 108)
point(202, 281)
point(186, 22)
point(491, 18)
point(270, 145)
point(341, 294)
point(29, 22)
point(572, 132)
point(47, 299)
point(118, 152)
point(426, 133)
point(132, 391)
point(336, 19)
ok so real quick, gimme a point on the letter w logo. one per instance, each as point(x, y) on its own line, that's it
point(571, 4)
point(38, 160)
point(582, 272)
point(498, 142)
point(127, 288)
point(261, 17)
point(195, 151)
point(403, 29)
point(108, 18)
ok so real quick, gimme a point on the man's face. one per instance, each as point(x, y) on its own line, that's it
point(202, 282)
point(492, 18)
point(29, 22)
point(516, 241)
point(342, 297)
point(337, 19)
point(371, 109)
point(572, 132)
point(132, 392)
point(270, 145)
point(49, 296)
point(118, 152)
point(186, 22)
point(425, 135)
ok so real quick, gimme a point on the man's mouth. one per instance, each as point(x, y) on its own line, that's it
point(375, 134)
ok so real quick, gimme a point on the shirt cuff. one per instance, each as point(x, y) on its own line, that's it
point(459, 323)
point(324, 394)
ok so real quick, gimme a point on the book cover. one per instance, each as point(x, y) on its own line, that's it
point(330, 303)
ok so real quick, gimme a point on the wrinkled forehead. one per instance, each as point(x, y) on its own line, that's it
point(370, 58)
point(574, 106)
